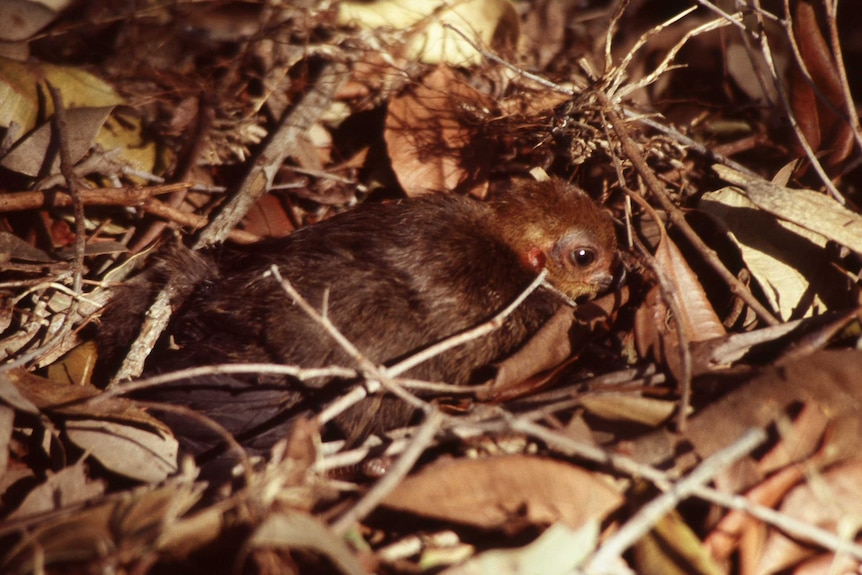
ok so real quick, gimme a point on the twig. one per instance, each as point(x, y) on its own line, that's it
point(618, 75)
point(520, 71)
point(788, 108)
point(142, 197)
point(473, 333)
point(283, 143)
point(669, 296)
point(676, 216)
point(794, 527)
point(67, 168)
point(299, 373)
point(418, 444)
point(126, 196)
point(371, 371)
point(732, 19)
point(850, 115)
point(651, 513)
point(368, 368)
point(187, 158)
point(207, 422)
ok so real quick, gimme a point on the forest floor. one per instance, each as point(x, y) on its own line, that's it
point(702, 418)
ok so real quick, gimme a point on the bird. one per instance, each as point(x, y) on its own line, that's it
point(393, 277)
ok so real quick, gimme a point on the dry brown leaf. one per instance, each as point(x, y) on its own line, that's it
point(301, 531)
point(789, 262)
point(671, 548)
point(506, 492)
point(629, 408)
point(62, 489)
point(829, 501)
point(268, 218)
point(547, 349)
point(821, 126)
point(29, 154)
point(51, 397)
point(828, 379)
point(76, 367)
point(21, 19)
point(725, 538)
point(534, 364)
point(130, 520)
point(136, 453)
point(121, 436)
point(13, 247)
point(698, 321)
point(430, 150)
point(808, 209)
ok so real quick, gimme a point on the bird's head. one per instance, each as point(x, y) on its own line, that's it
point(556, 226)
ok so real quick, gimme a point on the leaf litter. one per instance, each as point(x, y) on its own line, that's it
point(569, 459)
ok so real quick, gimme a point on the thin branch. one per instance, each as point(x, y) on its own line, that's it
point(564, 444)
point(474, 333)
point(299, 373)
point(283, 143)
point(676, 216)
point(619, 75)
point(58, 331)
point(653, 512)
point(390, 480)
point(788, 108)
point(371, 371)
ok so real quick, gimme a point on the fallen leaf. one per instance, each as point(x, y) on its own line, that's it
point(140, 454)
point(557, 551)
point(301, 531)
point(808, 209)
point(697, 320)
point(815, 106)
point(829, 501)
point(62, 489)
point(672, 548)
point(484, 22)
point(430, 150)
point(30, 153)
point(828, 379)
point(789, 262)
point(505, 492)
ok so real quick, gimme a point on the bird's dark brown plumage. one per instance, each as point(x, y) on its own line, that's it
point(397, 277)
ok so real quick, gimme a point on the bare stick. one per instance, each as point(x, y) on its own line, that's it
point(297, 372)
point(371, 371)
point(562, 443)
point(418, 444)
point(676, 216)
point(283, 143)
point(651, 513)
point(474, 333)
point(67, 168)
point(788, 109)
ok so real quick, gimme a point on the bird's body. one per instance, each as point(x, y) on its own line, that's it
point(394, 278)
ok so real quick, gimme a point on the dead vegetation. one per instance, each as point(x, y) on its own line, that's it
point(703, 419)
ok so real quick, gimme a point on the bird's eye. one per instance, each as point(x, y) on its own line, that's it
point(583, 257)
